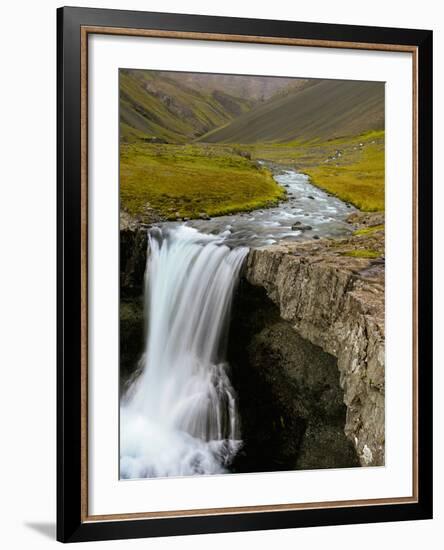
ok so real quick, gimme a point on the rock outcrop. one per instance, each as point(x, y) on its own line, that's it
point(290, 402)
point(336, 301)
point(133, 252)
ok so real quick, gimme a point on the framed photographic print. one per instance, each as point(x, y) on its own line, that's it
point(244, 274)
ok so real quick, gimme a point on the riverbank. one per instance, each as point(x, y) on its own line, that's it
point(164, 182)
point(352, 168)
point(308, 214)
point(169, 182)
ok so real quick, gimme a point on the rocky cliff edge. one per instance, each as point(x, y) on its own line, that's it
point(332, 293)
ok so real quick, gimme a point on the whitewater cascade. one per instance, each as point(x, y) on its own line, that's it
point(179, 415)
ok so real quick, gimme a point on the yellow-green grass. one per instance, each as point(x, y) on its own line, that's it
point(362, 253)
point(356, 175)
point(360, 183)
point(311, 152)
point(188, 180)
point(368, 230)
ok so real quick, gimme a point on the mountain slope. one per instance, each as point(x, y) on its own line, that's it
point(255, 88)
point(324, 110)
point(155, 106)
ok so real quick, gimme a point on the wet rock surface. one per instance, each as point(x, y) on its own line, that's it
point(132, 337)
point(290, 401)
point(133, 251)
point(336, 302)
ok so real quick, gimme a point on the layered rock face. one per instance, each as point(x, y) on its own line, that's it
point(290, 401)
point(133, 251)
point(336, 302)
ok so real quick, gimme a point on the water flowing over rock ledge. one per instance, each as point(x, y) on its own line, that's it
point(324, 293)
point(337, 303)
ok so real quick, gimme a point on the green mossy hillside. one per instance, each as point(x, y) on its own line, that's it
point(362, 253)
point(369, 230)
point(186, 181)
point(357, 178)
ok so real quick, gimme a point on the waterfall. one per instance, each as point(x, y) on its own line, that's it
point(178, 417)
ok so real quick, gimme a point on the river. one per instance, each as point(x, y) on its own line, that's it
point(179, 416)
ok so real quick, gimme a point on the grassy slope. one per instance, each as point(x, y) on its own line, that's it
point(329, 109)
point(153, 106)
point(187, 180)
point(357, 177)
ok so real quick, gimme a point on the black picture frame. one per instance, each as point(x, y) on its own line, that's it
point(71, 523)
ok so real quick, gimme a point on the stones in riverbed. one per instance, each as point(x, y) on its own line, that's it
point(299, 226)
point(310, 197)
point(204, 216)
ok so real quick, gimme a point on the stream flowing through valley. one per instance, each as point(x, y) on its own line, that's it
point(179, 415)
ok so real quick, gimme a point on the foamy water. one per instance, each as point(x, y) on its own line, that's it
point(179, 417)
